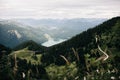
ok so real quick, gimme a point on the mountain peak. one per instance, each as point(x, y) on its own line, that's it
point(31, 45)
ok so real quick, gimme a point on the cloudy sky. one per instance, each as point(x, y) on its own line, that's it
point(59, 8)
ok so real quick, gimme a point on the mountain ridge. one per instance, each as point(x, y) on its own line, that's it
point(14, 32)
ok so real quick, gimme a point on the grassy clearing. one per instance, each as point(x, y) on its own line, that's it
point(28, 55)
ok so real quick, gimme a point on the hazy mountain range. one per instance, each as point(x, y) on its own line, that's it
point(43, 31)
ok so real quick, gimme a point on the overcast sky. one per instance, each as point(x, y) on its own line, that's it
point(59, 8)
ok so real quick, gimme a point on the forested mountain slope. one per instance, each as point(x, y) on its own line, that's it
point(109, 36)
point(95, 51)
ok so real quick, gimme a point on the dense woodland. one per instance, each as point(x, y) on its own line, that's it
point(79, 58)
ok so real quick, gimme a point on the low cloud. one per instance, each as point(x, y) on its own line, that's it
point(59, 8)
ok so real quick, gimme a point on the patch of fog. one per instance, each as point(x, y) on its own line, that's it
point(47, 36)
point(53, 28)
point(51, 41)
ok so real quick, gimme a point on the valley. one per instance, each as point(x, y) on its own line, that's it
point(16, 31)
point(80, 57)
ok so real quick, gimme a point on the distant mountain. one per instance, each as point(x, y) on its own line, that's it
point(62, 28)
point(13, 33)
point(83, 43)
point(31, 45)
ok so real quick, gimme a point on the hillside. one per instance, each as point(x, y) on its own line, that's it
point(91, 55)
point(27, 55)
point(96, 53)
point(31, 45)
point(85, 42)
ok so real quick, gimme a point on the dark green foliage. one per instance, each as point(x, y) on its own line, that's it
point(31, 71)
point(5, 64)
point(4, 50)
point(5, 68)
